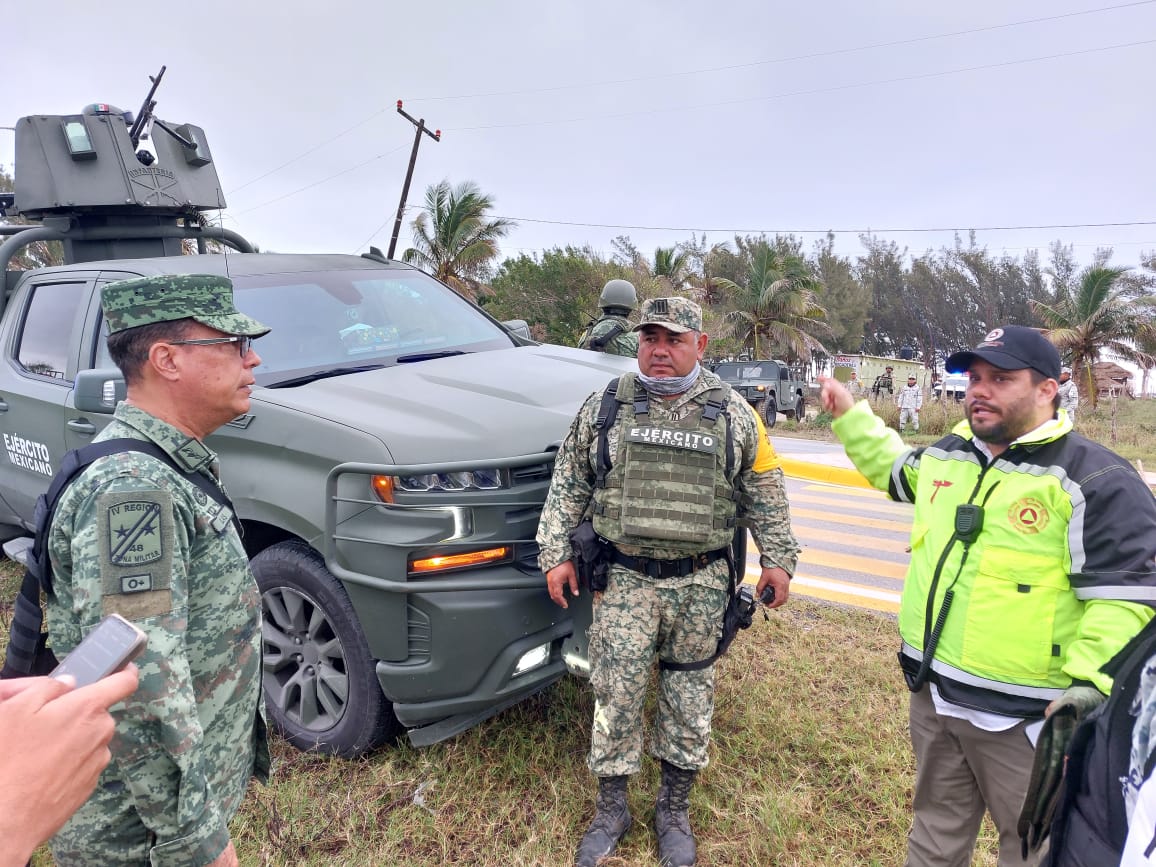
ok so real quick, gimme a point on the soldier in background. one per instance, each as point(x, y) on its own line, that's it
point(611, 332)
point(910, 400)
point(1069, 396)
point(883, 382)
point(134, 536)
point(667, 584)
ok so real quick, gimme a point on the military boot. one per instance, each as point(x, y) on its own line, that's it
point(671, 822)
point(610, 822)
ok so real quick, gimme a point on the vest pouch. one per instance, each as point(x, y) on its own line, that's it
point(668, 484)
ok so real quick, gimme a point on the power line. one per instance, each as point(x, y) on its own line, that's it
point(790, 59)
point(706, 70)
point(322, 181)
point(316, 147)
point(863, 231)
point(812, 92)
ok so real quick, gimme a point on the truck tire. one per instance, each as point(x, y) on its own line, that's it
point(318, 677)
point(770, 411)
point(798, 412)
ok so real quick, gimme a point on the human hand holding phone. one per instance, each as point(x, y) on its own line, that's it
point(107, 648)
point(56, 744)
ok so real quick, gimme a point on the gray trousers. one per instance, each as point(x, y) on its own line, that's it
point(961, 771)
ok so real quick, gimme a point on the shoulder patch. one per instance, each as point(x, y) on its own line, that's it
point(135, 532)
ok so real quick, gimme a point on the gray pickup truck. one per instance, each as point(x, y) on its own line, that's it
point(768, 386)
point(389, 475)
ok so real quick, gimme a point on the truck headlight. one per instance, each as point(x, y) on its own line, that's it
point(488, 479)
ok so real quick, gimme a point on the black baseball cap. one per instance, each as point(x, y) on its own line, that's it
point(1012, 347)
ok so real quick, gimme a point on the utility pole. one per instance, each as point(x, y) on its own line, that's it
point(419, 128)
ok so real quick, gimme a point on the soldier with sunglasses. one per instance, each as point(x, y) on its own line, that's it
point(143, 537)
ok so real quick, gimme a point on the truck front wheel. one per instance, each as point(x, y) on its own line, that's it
point(321, 692)
point(770, 411)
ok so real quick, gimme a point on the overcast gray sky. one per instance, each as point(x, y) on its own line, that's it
point(675, 116)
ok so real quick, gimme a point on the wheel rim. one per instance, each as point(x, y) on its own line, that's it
point(302, 660)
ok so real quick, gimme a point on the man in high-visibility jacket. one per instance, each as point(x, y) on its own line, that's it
point(1033, 561)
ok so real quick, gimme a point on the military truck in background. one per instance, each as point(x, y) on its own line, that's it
point(769, 386)
point(389, 475)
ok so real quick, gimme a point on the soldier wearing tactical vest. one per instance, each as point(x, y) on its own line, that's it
point(688, 462)
point(611, 332)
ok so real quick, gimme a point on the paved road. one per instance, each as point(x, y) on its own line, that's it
point(854, 539)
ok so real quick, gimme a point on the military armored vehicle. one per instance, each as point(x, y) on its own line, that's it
point(391, 470)
point(768, 386)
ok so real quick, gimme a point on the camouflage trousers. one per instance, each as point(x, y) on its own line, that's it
point(635, 619)
point(106, 830)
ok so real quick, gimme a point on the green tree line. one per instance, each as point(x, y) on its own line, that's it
point(773, 297)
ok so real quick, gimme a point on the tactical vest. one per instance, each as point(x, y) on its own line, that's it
point(598, 344)
point(670, 483)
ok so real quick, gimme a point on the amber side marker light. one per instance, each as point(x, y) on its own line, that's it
point(457, 561)
point(383, 487)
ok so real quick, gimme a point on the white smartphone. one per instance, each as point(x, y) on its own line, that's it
point(106, 649)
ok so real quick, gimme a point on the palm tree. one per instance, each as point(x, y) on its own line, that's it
point(778, 303)
point(671, 267)
point(453, 237)
point(1097, 315)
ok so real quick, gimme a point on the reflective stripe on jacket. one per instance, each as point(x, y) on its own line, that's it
point(1061, 575)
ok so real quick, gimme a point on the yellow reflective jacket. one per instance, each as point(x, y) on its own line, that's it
point(1061, 575)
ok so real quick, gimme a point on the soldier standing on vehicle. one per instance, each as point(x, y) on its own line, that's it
point(611, 332)
point(134, 536)
point(1033, 562)
point(669, 535)
point(1069, 396)
point(910, 400)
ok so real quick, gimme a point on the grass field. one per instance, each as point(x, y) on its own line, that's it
point(810, 766)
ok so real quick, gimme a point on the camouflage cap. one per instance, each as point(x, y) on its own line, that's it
point(673, 314)
point(206, 298)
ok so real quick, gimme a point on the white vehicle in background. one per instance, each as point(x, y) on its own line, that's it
point(953, 386)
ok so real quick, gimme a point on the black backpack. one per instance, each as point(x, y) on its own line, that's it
point(28, 654)
point(1090, 826)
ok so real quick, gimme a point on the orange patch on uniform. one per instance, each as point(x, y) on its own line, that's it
point(1028, 515)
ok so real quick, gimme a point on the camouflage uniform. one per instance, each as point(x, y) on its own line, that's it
point(625, 344)
point(680, 619)
point(132, 536)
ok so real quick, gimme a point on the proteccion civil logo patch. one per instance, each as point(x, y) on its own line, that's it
point(134, 533)
point(1028, 515)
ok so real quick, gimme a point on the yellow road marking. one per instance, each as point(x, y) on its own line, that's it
point(820, 534)
point(822, 473)
point(870, 493)
point(852, 521)
point(841, 591)
point(866, 565)
point(881, 507)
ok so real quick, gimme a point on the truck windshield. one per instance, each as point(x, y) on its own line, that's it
point(741, 371)
point(330, 320)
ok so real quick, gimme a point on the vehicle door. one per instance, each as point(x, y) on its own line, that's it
point(40, 356)
point(81, 427)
